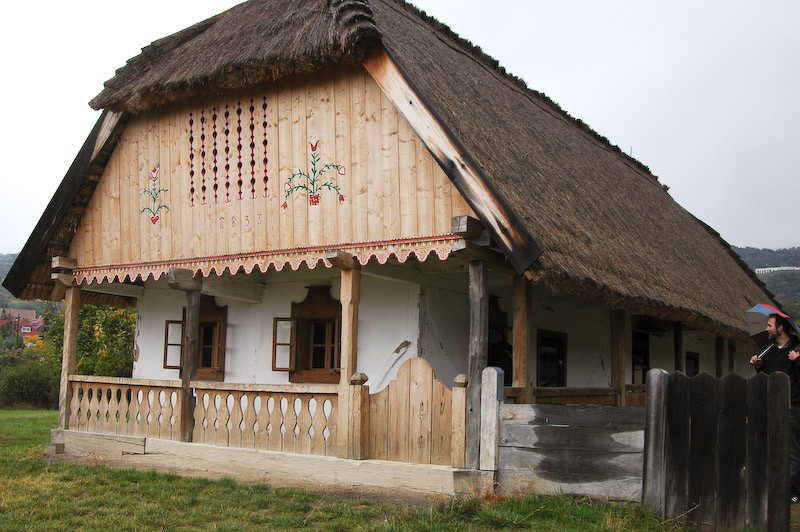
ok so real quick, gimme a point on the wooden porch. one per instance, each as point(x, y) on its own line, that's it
point(415, 419)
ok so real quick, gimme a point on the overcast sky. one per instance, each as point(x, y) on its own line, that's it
point(705, 93)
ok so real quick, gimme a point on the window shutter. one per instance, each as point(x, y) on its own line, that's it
point(283, 344)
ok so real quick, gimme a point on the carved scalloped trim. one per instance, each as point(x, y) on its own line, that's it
point(381, 251)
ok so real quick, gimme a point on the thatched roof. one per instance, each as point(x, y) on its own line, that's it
point(608, 228)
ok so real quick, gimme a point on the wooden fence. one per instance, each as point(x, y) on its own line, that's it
point(289, 418)
point(592, 450)
point(417, 419)
point(134, 407)
point(717, 450)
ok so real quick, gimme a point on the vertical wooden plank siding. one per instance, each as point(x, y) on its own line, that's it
point(778, 438)
point(390, 185)
point(676, 452)
point(704, 412)
point(731, 452)
point(757, 449)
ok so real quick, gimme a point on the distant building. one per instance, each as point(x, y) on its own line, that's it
point(773, 269)
point(11, 313)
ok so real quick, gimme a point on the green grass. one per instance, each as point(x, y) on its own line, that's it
point(38, 495)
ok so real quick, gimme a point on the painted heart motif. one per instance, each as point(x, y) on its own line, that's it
point(154, 219)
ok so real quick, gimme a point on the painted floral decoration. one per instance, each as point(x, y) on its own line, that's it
point(313, 183)
point(154, 191)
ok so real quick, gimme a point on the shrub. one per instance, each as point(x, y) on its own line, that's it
point(29, 383)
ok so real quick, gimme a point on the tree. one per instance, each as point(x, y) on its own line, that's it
point(105, 340)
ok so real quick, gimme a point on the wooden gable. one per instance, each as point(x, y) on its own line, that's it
point(302, 164)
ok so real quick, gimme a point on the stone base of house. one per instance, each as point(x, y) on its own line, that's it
point(250, 465)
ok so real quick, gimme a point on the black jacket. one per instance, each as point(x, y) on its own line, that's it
point(778, 360)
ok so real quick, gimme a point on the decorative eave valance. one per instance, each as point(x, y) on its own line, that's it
point(277, 259)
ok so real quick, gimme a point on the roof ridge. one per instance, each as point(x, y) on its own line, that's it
point(354, 20)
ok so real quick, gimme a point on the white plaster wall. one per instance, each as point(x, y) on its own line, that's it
point(388, 327)
point(158, 305)
point(588, 337)
point(445, 332)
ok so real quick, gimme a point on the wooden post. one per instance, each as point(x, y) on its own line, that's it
point(617, 325)
point(458, 442)
point(520, 339)
point(478, 356)
point(350, 296)
point(72, 307)
point(732, 355)
point(778, 442)
point(358, 448)
point(191, 355)
point(491, 397)
point(654, 475)
point(182, 279)
point(677, 338)
point(719, 354)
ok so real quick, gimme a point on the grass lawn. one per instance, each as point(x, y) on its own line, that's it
point(37, 495)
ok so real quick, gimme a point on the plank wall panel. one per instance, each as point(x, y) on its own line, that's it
point(359, 153)
point(344, 132)
point(392, 187)
point(389, 170)
point(407, 178)
point(374, 142)
point(324, 119)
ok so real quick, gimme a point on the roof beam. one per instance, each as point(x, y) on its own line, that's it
point(504, 225)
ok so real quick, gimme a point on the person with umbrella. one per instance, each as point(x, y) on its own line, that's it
point(783, 355)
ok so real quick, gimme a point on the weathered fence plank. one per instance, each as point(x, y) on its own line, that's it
point(676, 445)
point(757, 451)
point(778, 452)
point(704, 413)
point(655, 425)
point(731, 447)
point(586, 450)
point(726, 451)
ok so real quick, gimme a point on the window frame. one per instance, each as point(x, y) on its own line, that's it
point(562, 338)
point(318, 306)
point(212, 315)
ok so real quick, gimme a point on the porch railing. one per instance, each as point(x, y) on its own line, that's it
point(295, 418)
point(134, 407)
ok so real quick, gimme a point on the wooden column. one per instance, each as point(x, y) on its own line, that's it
point(677, 338)
point(732, 355)
point(181, 279)
point(617, 325)
point(719, 355)
point(191, 355)
point(478, 356)
point(72, 307)
point(520, 338)
point(350, 444)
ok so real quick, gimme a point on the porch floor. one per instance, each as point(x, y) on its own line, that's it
point(275, 468)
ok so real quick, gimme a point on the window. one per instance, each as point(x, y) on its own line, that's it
point(692, 363)
point(25, 329)
point(640, 356)
point(308, 344)
point(213, 325)
point(552, 359)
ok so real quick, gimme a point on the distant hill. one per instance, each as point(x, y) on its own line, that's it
point(785, 285)
point(764, 258)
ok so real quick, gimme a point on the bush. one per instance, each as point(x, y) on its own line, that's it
point(29, 383)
